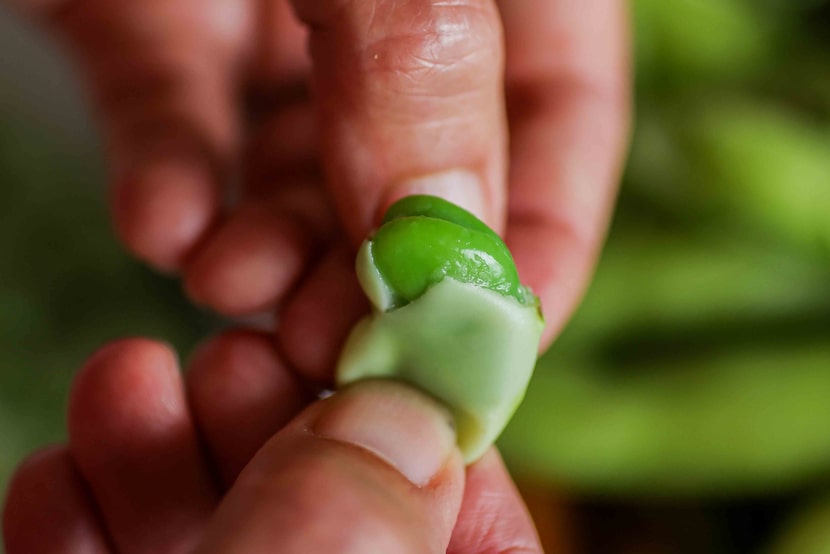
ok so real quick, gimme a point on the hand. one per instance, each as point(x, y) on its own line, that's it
point(218, 166)
point(155, 465)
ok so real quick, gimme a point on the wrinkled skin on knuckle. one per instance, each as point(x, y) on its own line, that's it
point(410, 60)
point(422, 47)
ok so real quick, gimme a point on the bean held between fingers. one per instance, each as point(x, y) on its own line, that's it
point(449, 317)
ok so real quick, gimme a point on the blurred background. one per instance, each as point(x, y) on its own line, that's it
point(686, 408)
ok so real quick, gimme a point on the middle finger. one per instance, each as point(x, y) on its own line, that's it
point(241, 393)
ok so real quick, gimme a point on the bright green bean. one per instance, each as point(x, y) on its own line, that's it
point(450, 317)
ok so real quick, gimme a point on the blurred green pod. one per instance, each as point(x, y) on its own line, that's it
point(734, 422)
point(737, 162)
point(693, 367)
point(650, 282)
point(684, 40)
point(769, 166)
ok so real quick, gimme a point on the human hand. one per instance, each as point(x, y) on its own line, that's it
point(155, 464)
point(206, 101)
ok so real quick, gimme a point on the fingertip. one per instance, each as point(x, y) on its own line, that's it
point(128, 352)
point(218, 351)
point(163, 211)
point(382, 458)
point(231, 355)
point(555, 260)
point(249, 264)
point(111, 392)
point(132, 437)
point(493, 516)
point(29, 474)
point(402, 426)
point(47, 509)
point(241, 394)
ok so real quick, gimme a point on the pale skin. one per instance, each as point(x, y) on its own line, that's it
point(517, 110)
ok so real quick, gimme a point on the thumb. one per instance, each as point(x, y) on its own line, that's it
point(410, 98)
point(371, 469)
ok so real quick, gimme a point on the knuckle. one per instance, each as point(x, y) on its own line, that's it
point(427, 40)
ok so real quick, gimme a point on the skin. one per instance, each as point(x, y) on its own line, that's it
point(154, 464)
point(208, 100)
point(200, 101)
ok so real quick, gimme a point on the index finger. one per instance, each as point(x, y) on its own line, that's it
point(410, 101)
point(567, 79)
point(493, 517)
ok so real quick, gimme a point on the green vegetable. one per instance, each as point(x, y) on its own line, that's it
point(695, 366)
point(450, 317)
point(746, 420)
point(698, 40)
point(650, 283)
point(738, 162)
point(773, 167)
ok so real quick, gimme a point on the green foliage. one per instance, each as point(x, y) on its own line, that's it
point(687, 41)
point(698, 363)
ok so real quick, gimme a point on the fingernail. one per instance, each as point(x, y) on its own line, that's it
point(408, 430)
point(459, 186)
